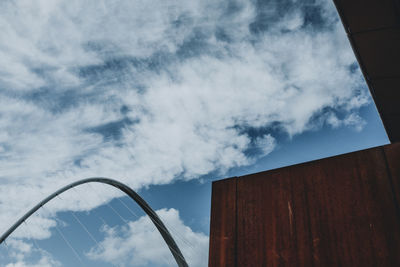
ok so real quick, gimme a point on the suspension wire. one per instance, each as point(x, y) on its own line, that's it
point(69, 245)
point(99, 244)
point(165, 258)
point(116, 212)
point(65, 239)
point(87, 203)
point(173, 230)
point(181, 237)
point(87, 231)
point(7, 249)
point(62, 235)
point(9, 255)
point(109, 205)
point(83, 226)
point(156, 223)
point(43, 251)
point(176, 232)
point(163, 230)
point(126, 222)
point(35, 244)
point(129, 209)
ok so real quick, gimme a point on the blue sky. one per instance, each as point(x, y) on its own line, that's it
point(165, 96)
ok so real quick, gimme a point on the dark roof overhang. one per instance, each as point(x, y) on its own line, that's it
point(373, 28)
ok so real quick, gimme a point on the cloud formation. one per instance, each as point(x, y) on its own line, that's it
point(140, 243)
point(20, 253)
point(152, 91)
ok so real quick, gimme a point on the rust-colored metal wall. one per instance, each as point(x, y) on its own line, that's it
point(339, 211)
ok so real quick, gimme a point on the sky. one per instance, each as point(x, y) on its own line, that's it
point(166, 97)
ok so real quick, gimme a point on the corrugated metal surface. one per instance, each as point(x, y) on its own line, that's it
point(373, 28)
point(339, 211)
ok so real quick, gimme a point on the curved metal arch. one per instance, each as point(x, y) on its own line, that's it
point(173, 247)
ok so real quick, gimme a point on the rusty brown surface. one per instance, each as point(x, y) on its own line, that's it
point(339, 211)
point(373, 28)
point(222, 249)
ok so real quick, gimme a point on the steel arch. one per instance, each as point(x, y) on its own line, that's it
point(173, 247)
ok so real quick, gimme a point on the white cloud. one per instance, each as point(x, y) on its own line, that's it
point(20, 251)
point(44, 261)
point(69, 67)
point(265, 143)
point(140, 244)
point(355, 121)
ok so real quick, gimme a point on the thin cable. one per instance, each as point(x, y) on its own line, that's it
point(7, 249)
point(33, 239)
point(176, 232)
point(165, 258)
point(180, 260)
point(65, 239)
point(87, 203)
point(108, 204)
point(129, 209)
point(70, 246)
point(173, 230)
point(86, 230)
point(116, 212)
point(37, 246)
point(181, 237)
point(126, 222)
point(82, 225)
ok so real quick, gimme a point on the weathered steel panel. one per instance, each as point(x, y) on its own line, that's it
point(270, 231)
point(223, 224)
point(339, 211)
point(352, 211)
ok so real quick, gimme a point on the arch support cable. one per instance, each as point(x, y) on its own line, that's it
point(173, 247)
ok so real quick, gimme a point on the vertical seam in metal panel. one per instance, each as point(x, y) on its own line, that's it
point(309, 222)
point(236, 220)
point(292, 199)
point(389, 173)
